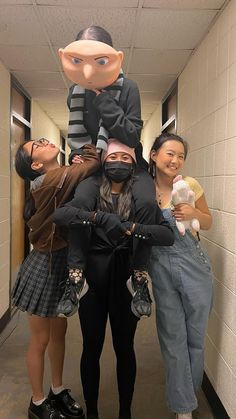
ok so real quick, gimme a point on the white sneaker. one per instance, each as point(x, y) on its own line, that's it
point(184, 415)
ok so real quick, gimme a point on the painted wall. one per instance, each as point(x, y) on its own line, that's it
point(42, 125)
point(4, 189)
point(207, 119)
point(150, 131)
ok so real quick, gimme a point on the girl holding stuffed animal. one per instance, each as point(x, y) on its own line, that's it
point(182, 280)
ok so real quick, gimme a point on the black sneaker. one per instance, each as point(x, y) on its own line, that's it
point(44, 411)
point(66, 404)
point(92, 417)
point(141, 302)
point(69, 302)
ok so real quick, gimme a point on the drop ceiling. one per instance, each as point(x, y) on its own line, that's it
point(157, 37)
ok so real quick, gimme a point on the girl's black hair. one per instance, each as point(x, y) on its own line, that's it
point(23, 168)
point(124, 200)
point(23, 164)
point(159, 141)
point(95, 33)
point(29, 208)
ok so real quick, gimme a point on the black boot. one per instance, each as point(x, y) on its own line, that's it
point(44, 411)
point(66, 404)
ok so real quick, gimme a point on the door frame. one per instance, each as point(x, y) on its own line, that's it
point(25, 121)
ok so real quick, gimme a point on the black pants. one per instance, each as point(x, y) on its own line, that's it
point(145, 208)
point(108, 297)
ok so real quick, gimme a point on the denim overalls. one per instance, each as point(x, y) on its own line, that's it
point(182, 286)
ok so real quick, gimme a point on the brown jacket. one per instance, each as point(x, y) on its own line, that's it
point(56, 189)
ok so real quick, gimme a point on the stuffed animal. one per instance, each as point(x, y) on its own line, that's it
point(182, 193)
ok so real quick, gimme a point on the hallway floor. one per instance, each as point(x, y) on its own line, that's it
point(149, 398)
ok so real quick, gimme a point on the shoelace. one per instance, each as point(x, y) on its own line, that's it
point(66, 394)
point(50, 409)
point(67, 288)
point(141, 289)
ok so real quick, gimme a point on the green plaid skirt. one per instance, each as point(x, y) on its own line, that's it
point(40, 282)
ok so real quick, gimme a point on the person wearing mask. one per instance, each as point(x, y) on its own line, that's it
point(109, 264)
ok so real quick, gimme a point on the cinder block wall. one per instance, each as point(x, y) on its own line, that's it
point(207, 119)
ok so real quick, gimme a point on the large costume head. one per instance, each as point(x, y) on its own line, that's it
point(91, 64)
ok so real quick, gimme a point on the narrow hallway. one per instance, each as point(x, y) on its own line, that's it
point(149, 398)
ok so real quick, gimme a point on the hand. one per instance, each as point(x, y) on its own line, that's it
point(184, 212)
point(77, 159)
point(112, 225)
point(98, 92)
point(128, 227)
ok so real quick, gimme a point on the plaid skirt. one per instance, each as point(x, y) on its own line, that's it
point(40, 282)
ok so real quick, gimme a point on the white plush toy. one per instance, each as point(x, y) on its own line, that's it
point(181, 194)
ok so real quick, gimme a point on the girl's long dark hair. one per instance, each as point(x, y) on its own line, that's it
point(24, 170)
point(159, 141)
point(95, 33)
point(124, 200)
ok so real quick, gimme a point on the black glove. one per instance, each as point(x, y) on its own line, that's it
point(111, 224)
point(69, 216)
point(155, 235)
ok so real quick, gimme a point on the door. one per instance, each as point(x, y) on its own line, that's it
point(20, 129)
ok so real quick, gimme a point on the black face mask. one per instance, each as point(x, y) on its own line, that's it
point(118, 171)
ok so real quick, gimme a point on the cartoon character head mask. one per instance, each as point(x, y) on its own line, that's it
point(91, 64)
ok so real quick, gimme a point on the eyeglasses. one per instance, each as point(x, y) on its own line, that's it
point(42, 142)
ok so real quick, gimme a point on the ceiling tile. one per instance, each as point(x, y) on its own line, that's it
point(49, 95)
point(62, 23)
point(159, 84)
point(36, 79)
point(184, 4)
point(90, 3)
point(29, 29)
point(149, 61)
point(149, 97)
point(19, 57)
point(9, 2)
point(50, 106)
point(19, 25)
point(172, 29)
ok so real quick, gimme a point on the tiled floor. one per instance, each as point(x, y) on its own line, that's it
point(149, 398)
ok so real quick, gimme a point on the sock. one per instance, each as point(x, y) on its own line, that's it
point(184, 415)
point(57, 390)
point(75, 274)
point(39, 402)
point(140, 275)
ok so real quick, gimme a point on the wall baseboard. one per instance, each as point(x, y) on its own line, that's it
point(217, 407)
point(5, 319)
point(8, 324)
